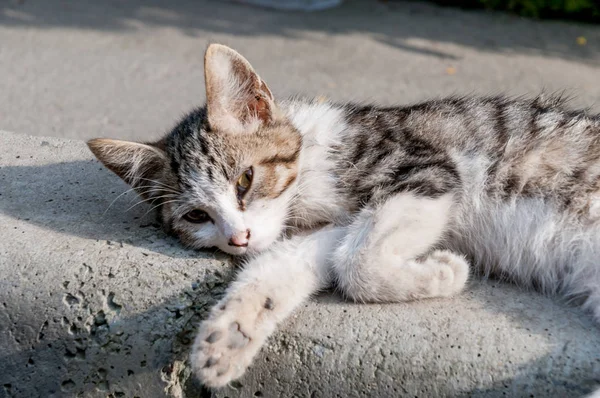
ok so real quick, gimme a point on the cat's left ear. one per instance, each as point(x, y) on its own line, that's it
point(237, 99)
point(139, 165)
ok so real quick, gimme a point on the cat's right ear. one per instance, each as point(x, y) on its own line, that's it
point(137, 164)
point(237, 99)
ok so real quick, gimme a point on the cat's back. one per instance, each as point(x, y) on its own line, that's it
point(510, 150)
point(495, 145)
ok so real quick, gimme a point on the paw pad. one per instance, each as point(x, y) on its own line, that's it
point(210, 362)
point(269, 304)
point(213, 337)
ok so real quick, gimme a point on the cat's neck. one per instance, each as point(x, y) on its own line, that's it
point(317, 199)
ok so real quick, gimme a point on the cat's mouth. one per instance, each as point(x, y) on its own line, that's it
point(237, 251)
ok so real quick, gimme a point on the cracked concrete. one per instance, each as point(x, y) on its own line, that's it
point(97, 302)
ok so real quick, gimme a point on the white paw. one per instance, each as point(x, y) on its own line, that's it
point(230, 338)
point(453, 271)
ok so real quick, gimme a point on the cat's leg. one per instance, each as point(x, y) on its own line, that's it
point(266, 291)
point(386, 254)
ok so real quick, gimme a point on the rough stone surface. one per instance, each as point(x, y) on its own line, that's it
point(97, 302)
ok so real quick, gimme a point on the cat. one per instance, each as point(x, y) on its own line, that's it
point(386, 204)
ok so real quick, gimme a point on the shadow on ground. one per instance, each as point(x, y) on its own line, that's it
point(84, 199)
point(398, 24)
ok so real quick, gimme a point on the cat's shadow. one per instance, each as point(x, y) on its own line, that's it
point(82, 198)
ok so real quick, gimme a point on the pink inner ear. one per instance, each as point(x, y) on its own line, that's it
point(261, 109)
point(260, 106)
point(230, 108)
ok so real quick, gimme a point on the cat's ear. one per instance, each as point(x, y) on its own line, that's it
point(236, 97)
point(137, 164)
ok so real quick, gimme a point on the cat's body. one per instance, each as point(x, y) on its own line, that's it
point(384, 203)
point(524, 177)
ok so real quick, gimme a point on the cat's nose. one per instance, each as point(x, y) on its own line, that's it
point(240, 239)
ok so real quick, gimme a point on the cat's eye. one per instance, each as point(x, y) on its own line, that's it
point(244, 182)
point(196, 216)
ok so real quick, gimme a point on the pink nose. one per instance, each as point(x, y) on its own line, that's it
point(240, 239)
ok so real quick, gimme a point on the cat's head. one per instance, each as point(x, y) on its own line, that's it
point(224, 176)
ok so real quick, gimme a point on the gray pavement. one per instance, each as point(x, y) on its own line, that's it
point(95, 301)
point(130, 69)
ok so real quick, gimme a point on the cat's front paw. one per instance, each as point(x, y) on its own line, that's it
point(228, 341)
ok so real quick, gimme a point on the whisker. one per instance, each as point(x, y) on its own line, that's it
point(117, 198)
point(126, 192)
point(160, 204)
point(152, 200)
point(157, 182)
point(152, 191)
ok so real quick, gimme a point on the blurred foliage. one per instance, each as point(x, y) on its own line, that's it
point(583, 10)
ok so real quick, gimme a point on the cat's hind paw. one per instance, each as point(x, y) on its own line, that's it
point(452, 273)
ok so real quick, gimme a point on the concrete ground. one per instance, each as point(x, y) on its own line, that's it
point(130, 69)
point(96, 301)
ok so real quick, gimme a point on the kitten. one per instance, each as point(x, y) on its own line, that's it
point(391, 201)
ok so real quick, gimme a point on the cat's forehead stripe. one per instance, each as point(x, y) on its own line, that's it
point(282, 158)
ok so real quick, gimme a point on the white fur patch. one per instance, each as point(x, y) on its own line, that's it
point(322, 126)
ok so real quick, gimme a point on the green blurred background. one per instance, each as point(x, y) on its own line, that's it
point(582, 10)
